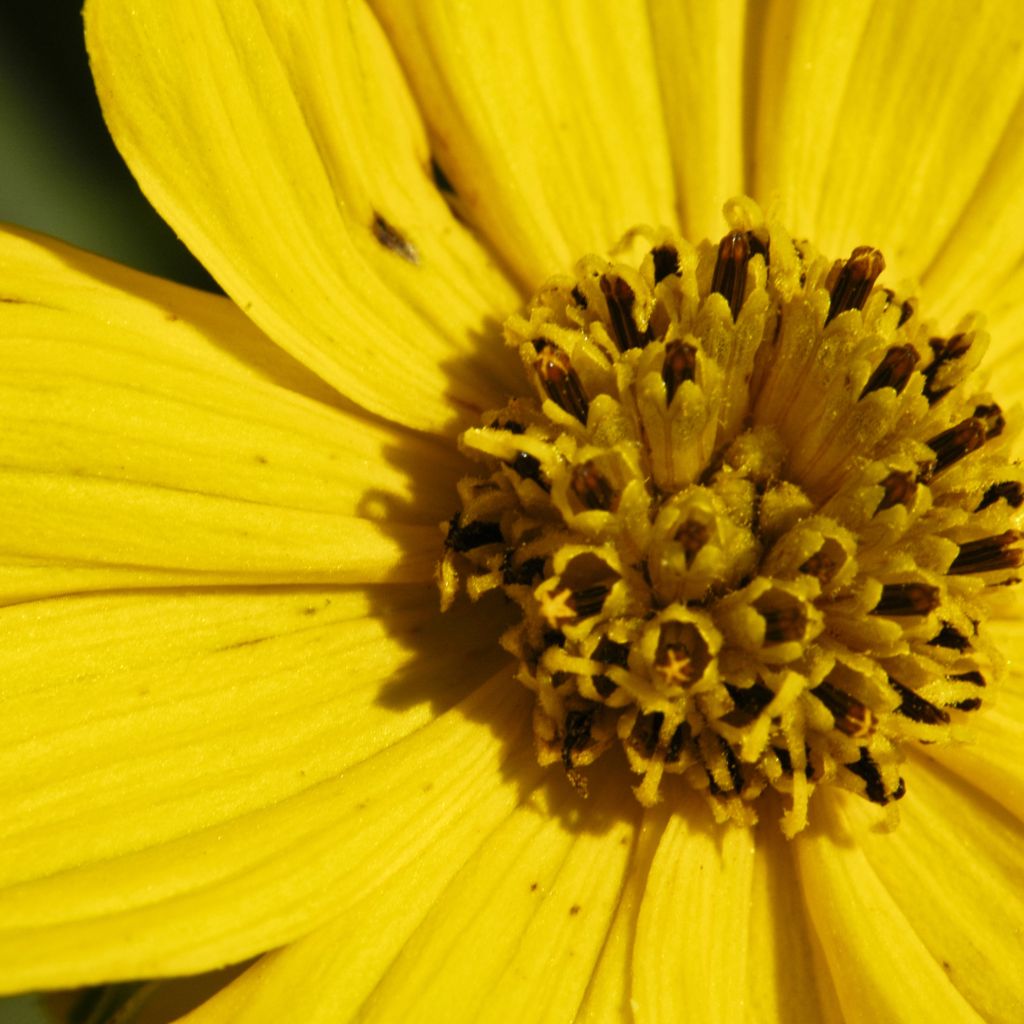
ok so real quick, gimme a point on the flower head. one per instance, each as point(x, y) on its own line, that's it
point(740, 487)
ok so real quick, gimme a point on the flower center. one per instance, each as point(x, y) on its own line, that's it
point(754, 520)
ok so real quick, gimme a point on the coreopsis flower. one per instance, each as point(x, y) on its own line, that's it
point(721, 720)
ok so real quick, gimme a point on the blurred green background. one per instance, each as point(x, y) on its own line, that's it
point(60, 174)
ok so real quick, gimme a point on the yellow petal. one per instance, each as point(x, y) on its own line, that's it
point(782, 983)
point(546, 117)
point(610, 992)
point(963, 896)
point(690, 957)
point(226, 891)
point(699, 53)
point(281, 144)
point(516, 934)
point(804, 57)
point(991, 761)
point(881, 968)
point(146, 443)
point(907, 126)
point(985, 247)
point(1005, 312)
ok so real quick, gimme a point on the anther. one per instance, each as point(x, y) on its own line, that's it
point(974, 678)
point(528, 467)
point(988, 554)
point(951, 638)
point(610, 652)
point(646, 732)
point(577, 734)
point(680, 365)
point(466, 536)
point(523, 574)
point(592, 489)
point(907, 307)
point(786, 762)
point(692, 536)
point(677, 742)
point(666, 262)
point(559, 380)
point(915, 707)
point(1009, 491)
point(894, 370)
point(621, 300)
point(730, 275)
point(851, 717)
point(953, 444)
point(825, 562)
point(854, 280)
point(783, 624)
point(512, 426)
point(590, 600)
point(970, 704)
point(900, 489)
point(992, 416)
point(907, 599)
point(732, 766)
point(874, 788)
point(750, 701)
point(943, 351)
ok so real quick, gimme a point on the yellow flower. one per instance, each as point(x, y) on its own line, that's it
point(233, 718)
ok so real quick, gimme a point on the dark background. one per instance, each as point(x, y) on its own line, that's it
point(59, 171)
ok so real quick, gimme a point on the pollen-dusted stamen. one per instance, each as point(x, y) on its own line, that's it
point(730, 277)
point(853, 280)
point(621, 301)
point(559, 380)
point(900, 489)
point(907, 599)
point(894, 370)
point(743, 571)
point(680, 365)
point(952, 445)
point(988, 554)
point(1010, 491)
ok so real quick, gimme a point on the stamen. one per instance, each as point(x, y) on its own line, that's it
point(900, 489)
point(466, 536)
point(559, 380)
point(866, 768)
point(914, 706)
point(944, 352)
point(577, 735)
point(952, 445)
point(528, 467)
point(1009, 491)
point(666, 262)
point(680, 365)
point(730, 277)
point(592, 488)
point(851, 717)
point(988, 554)
point(621, 304)
point(750, 701)
point(894, 370)
point(949, 636)
point(907, 599)
point(854, 280)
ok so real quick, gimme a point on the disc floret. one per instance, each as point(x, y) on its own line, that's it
point(754, 519)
